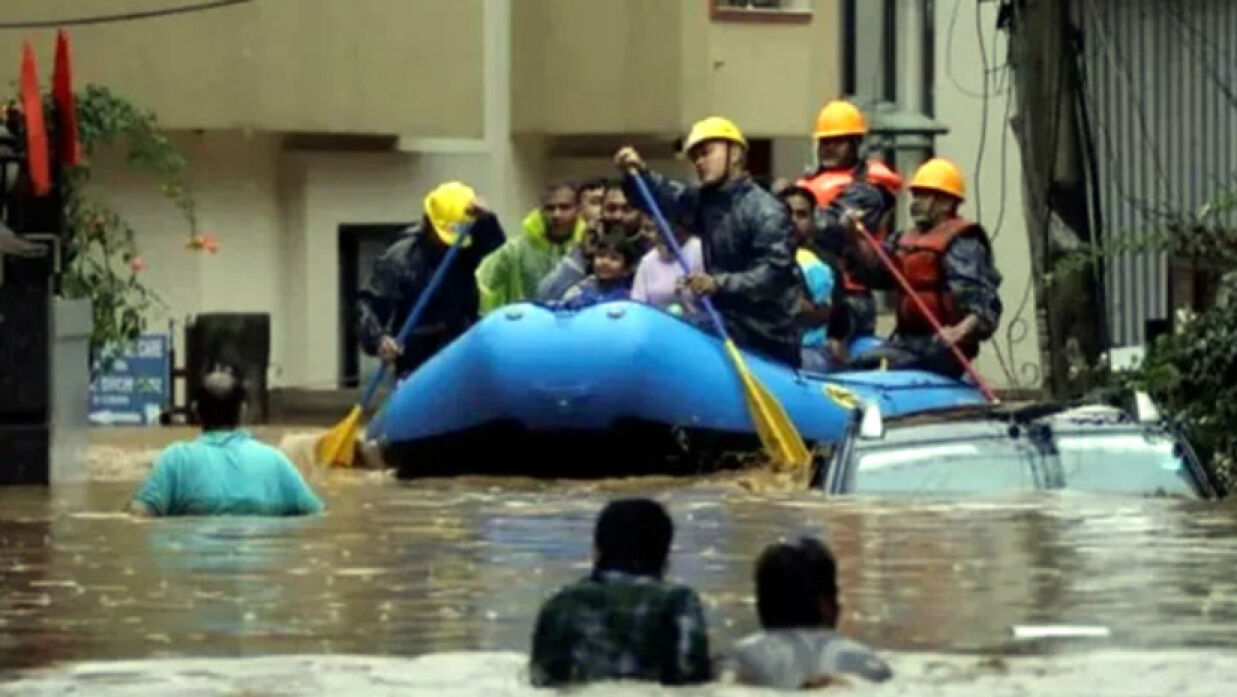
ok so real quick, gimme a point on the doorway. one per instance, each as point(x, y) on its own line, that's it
point(359, 245)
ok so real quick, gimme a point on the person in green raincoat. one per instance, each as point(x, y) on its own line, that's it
point(511, 273)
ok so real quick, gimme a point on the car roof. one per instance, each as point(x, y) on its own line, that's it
point(979, 421)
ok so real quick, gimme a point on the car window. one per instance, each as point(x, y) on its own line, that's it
point(984, 465)
point(1124, 464)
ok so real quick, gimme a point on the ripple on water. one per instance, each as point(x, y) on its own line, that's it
point(463, 564)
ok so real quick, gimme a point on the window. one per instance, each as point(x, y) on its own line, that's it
point(977, 466)
point(762, 10)
point(1126, 464)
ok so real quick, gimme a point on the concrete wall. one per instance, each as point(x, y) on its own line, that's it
point(770, 77)
point(655, 66)
point(235, 184)
point(986, 150)
point(277, 216)
point(596, 67)
point(361, 66)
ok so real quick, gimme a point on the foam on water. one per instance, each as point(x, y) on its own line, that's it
point(494, 674)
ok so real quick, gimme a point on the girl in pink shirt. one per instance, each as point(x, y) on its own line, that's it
point(657, 276)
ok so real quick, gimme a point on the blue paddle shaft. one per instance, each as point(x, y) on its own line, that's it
point(668, 235)
point(418, 308)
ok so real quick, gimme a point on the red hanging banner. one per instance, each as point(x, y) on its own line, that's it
point(36, 131)
point(66, 106)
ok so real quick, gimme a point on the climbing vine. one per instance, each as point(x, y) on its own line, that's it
point(1199, 234)
point(1192, 371)
point(102, 261)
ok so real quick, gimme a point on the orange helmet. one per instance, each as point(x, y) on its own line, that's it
point(839, 119)
point(939, 174)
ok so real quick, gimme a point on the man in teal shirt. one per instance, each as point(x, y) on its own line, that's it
point(225, 471)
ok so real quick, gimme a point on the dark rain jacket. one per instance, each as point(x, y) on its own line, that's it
point(746, 239)
point(874, 202)
point(402, 273)
point(829, 239)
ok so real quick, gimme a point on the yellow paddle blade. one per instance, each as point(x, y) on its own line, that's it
point(337, 447)
point(778, 435)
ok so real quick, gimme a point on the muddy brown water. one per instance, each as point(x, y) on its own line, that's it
point(416, 571)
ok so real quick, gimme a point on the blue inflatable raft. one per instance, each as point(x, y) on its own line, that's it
point(615, 388)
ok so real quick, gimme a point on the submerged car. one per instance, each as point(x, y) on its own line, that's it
point(992, 449)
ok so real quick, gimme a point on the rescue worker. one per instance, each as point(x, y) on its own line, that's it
point(947, 261)
point(513, 273)
point(841, 182)
point(745, 235)
point(402, 272)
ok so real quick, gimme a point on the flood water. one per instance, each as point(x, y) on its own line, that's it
point(417, 571)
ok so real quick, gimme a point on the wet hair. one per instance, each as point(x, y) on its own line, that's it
point(555, 187)
point(788, 192)
point(222, 392)
point(622, 240)
point(791, 582)
point(633, 536)
point(592, 185)
point(613, 185)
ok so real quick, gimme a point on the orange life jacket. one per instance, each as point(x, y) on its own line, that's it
point(919, 257)
point(827, 185)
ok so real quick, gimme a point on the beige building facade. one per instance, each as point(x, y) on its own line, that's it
point(305, 120)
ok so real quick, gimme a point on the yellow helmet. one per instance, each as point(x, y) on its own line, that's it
point(939, 174)
point(838, 119)
point(447, 209)
point(713, 128)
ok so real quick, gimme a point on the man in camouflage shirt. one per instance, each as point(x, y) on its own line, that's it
point(622, 621)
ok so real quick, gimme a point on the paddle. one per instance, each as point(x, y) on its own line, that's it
point(923, 308)
point(778, 435)
point(336, 447)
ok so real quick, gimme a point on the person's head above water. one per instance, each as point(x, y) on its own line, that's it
point(633, 536)
point(221, 398)
point(796, 586)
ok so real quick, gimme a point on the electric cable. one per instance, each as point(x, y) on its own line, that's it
point(124, 17)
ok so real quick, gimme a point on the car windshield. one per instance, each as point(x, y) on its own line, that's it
point(1114, 463)
point(981, 465)
point(1128, 463)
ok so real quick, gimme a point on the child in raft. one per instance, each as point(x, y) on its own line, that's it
point(659, 278)
point(614, 257)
